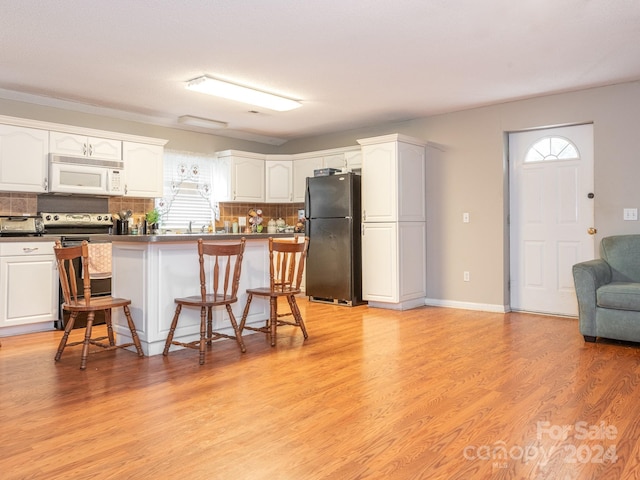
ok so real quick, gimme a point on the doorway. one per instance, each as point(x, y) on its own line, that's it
point(551, 214)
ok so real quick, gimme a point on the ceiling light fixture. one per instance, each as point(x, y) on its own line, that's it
point(212, 86)
point(201, 122)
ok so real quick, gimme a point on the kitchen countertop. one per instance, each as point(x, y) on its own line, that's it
point(163, 237)
point(182, 237)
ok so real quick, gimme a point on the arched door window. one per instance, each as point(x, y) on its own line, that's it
point(551, 149)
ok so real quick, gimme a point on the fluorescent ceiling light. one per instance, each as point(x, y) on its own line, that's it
point(238, 93)
point(201, 122)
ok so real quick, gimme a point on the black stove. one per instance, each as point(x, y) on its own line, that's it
point(73, 229)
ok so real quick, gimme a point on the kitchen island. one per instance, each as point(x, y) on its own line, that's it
point(152, 270)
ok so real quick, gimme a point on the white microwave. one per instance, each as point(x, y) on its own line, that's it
point(85, 175)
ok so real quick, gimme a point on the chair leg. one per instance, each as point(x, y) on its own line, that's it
point(65, 337)
point(209, 324)
point(297, 315)
point(87, 338)
point(107, 320)
point(273, 318)
point(234, 324)
point(203, 332)
point(134, 332)
point(172, 330)
point(245, 312)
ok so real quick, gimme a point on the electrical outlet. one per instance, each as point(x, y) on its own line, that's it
point(465, 217)
point(466, 276)
point(630, 214)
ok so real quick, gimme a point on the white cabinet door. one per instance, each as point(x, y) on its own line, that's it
point(302, 169)
point(334, 161)
point(379, 183)
point(393, 182)
point(247, 179)
point(83, 146)
point(353, 160)
point(143, 169)
point(279, 181)
point(380, 262)
point(23, 159)
point(29, 283)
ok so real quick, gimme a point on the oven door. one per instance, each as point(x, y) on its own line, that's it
point(99, 287)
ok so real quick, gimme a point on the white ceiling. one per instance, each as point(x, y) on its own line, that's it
point(352, 63)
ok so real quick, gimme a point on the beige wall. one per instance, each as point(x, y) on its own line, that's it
point(466, 173)
point(470, 175)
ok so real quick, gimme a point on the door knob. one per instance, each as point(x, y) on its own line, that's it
point(592, 231)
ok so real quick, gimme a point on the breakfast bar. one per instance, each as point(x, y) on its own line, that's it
point(153, 270)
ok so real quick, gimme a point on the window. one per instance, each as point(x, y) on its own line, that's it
point(188, 196)
point(550, 149)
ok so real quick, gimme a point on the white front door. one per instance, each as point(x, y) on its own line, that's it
point(551, 212)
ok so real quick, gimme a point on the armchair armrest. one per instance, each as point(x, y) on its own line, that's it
point(588, 277)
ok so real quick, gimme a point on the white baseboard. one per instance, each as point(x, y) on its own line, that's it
point(484, 307)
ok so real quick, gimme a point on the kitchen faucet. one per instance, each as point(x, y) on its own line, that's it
point(189, 229)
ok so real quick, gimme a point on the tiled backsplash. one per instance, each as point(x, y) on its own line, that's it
point(27, 204)
point(287, 211)
point(18, 203)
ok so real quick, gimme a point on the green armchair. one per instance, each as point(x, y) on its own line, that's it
point(608, 290)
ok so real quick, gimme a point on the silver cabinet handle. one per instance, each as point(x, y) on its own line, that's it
point(29, 250)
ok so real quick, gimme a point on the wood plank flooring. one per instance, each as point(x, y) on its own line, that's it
point(429, 393)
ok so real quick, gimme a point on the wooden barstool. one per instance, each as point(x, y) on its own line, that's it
point(226, 261)
point(76, 302)
point(286, 265)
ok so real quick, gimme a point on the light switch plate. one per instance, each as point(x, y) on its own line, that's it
point(630, 214)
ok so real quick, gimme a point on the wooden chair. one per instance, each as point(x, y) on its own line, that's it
point(226, 260)
point(286, 265)
point(76, 302)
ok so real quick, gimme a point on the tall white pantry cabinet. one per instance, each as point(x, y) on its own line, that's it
point(393, 221)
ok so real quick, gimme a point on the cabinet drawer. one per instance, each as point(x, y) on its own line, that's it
point(14, 249)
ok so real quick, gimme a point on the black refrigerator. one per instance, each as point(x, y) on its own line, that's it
point(334, 263)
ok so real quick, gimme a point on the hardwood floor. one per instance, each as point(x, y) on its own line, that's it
point(373, 394)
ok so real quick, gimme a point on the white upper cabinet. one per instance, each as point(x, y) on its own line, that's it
point(85, 146)
point(335, 160)
point(143, 169)
point(279, 181)
point(246, 176)
point(393, 179)
point(302, 169)
point(23, 159)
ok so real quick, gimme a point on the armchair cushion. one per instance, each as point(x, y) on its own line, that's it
point(619, 295)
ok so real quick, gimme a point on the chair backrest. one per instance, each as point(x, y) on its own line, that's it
point(226, 266)
point(70, 270)
point(286, 260)
point(622, 253)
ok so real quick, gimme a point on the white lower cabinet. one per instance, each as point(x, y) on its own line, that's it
point(28, 285)
point(393, 260)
